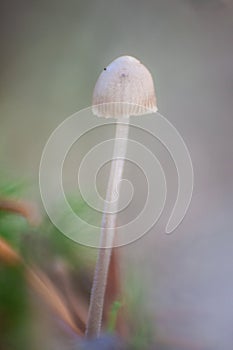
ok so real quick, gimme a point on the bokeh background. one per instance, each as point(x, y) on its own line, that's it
point(51, 55)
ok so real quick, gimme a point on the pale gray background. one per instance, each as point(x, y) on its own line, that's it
point(51, 55)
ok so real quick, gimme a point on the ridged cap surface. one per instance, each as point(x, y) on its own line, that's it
point(124, 88)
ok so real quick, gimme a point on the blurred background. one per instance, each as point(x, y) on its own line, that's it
point(51, 55)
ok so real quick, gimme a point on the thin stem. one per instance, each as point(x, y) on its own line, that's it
point(107, 231)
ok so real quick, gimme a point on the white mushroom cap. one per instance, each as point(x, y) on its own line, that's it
point(124, 88)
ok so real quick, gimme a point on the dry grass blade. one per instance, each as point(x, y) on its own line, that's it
point(50, 294)
point(41, 284)
point(28, 210)
point(77, 304)
point(8, 255)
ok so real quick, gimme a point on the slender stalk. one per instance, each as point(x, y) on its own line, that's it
point(107, 232)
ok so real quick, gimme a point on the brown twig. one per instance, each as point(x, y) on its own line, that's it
point(113, 288)
point(114, 293)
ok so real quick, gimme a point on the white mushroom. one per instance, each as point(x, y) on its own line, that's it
point(128, 86)
point(125, 88)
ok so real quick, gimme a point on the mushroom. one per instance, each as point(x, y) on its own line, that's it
point(125, 88)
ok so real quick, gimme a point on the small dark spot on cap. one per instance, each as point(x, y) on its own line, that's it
point(105, 68)
point(123, 75)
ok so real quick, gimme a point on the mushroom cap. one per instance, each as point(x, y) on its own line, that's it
point(124, 88)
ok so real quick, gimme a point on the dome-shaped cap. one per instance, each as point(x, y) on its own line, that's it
point(124, 88)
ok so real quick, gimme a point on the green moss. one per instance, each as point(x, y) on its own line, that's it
point(116, 305)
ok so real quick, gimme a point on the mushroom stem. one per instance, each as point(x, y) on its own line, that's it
point(107, 230)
